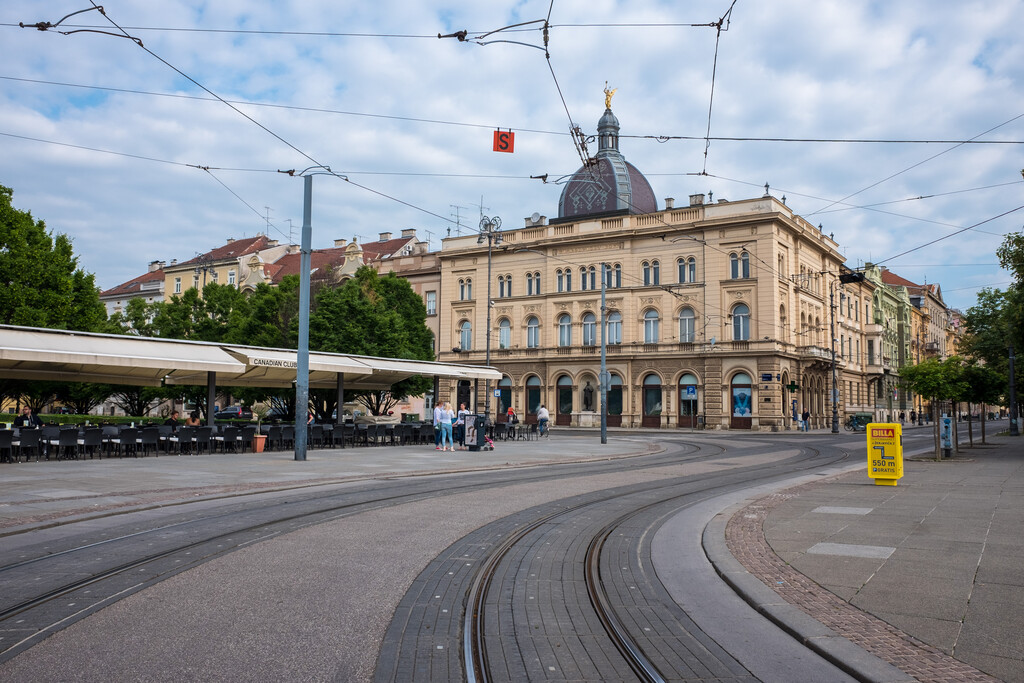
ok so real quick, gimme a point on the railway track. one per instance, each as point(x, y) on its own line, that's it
point(564, 592)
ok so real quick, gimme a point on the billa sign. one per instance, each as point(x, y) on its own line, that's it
point(504, 141)
point(885, 452)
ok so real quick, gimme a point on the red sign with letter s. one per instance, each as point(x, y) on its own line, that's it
point(504, 141)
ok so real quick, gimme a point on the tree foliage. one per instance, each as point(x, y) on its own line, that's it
point(41, 284)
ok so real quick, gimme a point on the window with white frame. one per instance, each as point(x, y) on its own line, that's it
point(431, 303)
point(589, 329)
point(532, 332)
point(651, 327)
point(564, 330)
point(655, 272)
point(504, 334)
point(466, 335)
point(231, 277)
point(741, 322)
point(686, 325)
point(614, 324)
point(177, 285)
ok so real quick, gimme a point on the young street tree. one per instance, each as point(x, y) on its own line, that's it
point(939, 380)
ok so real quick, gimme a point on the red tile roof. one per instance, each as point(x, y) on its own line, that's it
point(891, 278)
point(373, 251)
point(232, 249)
point(133, 287)
point(319, 260)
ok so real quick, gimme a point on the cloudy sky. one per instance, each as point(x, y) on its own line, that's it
point(107, 141)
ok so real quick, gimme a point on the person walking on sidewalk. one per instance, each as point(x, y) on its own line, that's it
point(437, 426)
point(446, 428)
point(805, 420)
point(460, 426)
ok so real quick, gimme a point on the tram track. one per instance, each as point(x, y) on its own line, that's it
point(487, 589)
point(92, 573)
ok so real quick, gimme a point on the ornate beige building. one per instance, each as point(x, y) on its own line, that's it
point(717, 314)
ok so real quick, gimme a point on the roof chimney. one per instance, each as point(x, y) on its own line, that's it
point(696, 200)
point(385, 236)
point(409, 233)
point(670, 203)
point(341, 242)
point(155, 266)
point(230, 240)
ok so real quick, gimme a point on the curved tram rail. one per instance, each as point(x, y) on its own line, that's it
point(498, 565)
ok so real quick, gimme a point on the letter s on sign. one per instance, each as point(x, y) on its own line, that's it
point(504, 141)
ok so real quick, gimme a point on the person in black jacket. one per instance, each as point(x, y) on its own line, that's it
point(27, 418)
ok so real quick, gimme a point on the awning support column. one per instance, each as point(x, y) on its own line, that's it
point(340, 419)
point(211, 396)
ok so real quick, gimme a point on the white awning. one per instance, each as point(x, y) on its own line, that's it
point(66, 356)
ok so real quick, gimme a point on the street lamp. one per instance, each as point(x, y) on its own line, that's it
point(844, 278)
point(489, 233)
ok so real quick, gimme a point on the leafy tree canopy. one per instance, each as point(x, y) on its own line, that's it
point(40, 282)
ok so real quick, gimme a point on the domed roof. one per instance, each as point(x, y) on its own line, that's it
point(608, 185)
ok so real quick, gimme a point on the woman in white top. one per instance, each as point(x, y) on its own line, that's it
point(446, 428)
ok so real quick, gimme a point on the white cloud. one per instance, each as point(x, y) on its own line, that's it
point(832, 69)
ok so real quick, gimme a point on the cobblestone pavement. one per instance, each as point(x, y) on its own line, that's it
point(746, 540)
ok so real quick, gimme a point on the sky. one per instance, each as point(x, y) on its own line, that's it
point(127, 150)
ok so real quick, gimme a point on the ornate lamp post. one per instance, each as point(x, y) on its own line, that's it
point(489, 233)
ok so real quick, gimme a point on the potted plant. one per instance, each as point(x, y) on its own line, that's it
point(259, 440)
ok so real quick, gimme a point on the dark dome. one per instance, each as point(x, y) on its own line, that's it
point(610, 185)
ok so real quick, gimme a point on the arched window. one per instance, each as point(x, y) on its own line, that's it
point(532, 332)
point(614, 324)
point(655, 272)
point(536, 283)
point(469, 288)
point(462, 290)
point(651, 327)
point(645, 267)
point(745, 264)
point(564, 330)
point(501, 286)
point(686, 325)
point(466, 335)
point(532, 394)
point(589, 329)
point(783, 329)
point(568, 280)
point(691, 269)
point(592, 272)
point(681, 272)
point(529, 284)
point(734, 266)
point(617, 280)
point(559, 280)
point(583, 278)
point(740, 322)
point(504, 334)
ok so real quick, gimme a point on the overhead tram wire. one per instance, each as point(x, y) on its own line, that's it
point(946, 237)
point(491, 126)
point(42, 26)
point(726, 18)
point(920, 163)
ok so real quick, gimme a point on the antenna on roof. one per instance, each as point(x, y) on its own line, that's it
point(291, 232)
point(481, 207)
point(430, 236)
point(267, 220)
point(458, 221)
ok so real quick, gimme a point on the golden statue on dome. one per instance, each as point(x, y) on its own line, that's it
point(608, 96)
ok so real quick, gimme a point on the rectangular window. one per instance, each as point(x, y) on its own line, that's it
point(431, 303)
point(177, 285)
point(231, 277)
point(214, 278)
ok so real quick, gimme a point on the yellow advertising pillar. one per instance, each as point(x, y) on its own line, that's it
point(885, 452)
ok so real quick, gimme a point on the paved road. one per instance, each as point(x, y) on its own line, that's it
point(309, 604)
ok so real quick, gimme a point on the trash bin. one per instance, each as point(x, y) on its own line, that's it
point(476, 432)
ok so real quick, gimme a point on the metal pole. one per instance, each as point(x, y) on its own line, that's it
point(835, 387)
point(339, 421)
point(211, 396)
point(487, 335)
point(603, 384)
point(1014, 429)
point(302, 365)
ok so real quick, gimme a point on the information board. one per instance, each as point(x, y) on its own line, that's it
point(885, 452)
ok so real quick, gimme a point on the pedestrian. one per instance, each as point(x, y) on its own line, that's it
point(805, 420)
point(903, 417)
point(172, 421)
point(543, 417)
point(447, 415)
point(27, 418)
point(460, 426)
point(437, 426)
point(913, 417)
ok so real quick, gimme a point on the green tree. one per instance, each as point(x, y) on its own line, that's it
point(82, 397)
point(136, 401)
point(938, 380)
point(985, 387)
point(374, 315)
point(40, 282)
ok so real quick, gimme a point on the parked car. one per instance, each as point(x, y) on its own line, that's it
point(233, 413)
